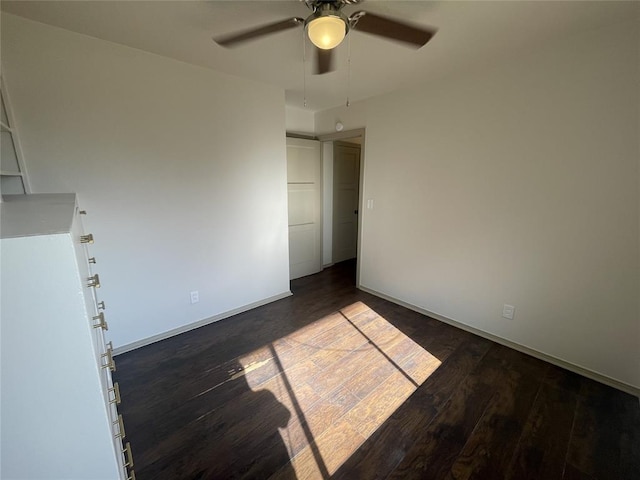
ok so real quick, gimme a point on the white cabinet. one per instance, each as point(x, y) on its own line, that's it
point(59, 417)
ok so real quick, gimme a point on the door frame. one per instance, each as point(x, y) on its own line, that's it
point(345, 135)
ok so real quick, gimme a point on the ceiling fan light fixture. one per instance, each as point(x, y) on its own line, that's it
point(327, 31)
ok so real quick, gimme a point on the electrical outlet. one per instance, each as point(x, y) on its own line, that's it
point(508, 311)
point(195, 298)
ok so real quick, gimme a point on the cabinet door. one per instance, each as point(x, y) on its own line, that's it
point(97, 318)
point(55, 422)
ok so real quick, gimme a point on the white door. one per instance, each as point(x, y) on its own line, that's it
point(346, 180)
point(303, 182)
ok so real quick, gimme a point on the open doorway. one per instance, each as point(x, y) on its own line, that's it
point(342, 155)
point(346, 187)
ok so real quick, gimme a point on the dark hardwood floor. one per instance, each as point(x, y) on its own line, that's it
point(336, 383)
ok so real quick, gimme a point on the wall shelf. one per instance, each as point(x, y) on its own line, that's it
point(10, 173)
point(13, 178)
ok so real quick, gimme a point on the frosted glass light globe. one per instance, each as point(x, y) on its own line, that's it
point(326, 32)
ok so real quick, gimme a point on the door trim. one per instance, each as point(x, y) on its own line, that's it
point(330, 137)
point(358, 132)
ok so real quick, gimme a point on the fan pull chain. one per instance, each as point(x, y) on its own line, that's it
point(348, 69)
point(304, 70)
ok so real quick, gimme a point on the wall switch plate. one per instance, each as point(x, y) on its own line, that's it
point(508, 311)
point(195, 298)
point(370, 204)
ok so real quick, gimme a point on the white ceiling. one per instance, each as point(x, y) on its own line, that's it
point(471, 34)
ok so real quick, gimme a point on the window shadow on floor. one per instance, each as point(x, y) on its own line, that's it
point(224, 431)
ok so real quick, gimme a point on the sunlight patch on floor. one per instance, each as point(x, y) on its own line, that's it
point(340, 378)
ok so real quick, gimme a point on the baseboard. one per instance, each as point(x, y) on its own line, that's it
point(598, 377)
point(200, 323)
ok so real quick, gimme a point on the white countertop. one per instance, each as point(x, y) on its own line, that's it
point(36, 214)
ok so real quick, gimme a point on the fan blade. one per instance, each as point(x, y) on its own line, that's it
point(237, 38)
point(393, 29)
point(324, 61)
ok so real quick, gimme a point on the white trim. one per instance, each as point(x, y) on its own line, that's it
point(17, 145)
point(304, 136)
point(330, 137)
point(346, 134)
point(200, 323)
point(598, 377)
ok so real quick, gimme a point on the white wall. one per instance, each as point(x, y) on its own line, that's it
point(517, 185)
point(352, 118)
point(157, 151)
point(299, 120)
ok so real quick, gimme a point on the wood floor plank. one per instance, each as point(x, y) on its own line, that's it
point(564, 379)
point(335, 376)
point(306, 334)
point(336, 351)
point(420, 366)
point(208, 445)
point(329, 410)
point(369, 378)
point(301, 431)
point(355, 309)
point(326, 454)
point(446, 379)
point(572, 473)
point(146, 426)
point(542, 448)
point(335, 382)
point(629, 437)
point(488, 450)
point(605, 429)
point(373, 410)
point(438, 446)
point(387, 447)
point(235, 424)
point(587, 436)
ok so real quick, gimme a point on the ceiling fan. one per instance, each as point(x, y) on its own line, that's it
point(327, 26)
